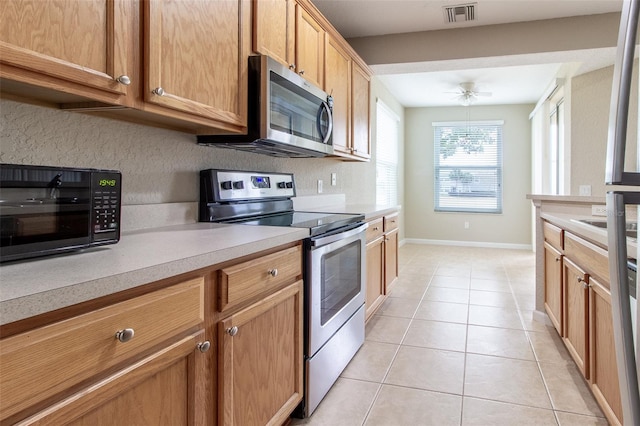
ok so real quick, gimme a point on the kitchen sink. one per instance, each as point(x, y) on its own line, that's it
point(632, 227)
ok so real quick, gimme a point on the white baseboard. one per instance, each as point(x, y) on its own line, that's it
point(468, 244)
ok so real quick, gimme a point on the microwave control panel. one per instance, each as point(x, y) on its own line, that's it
point(105, 204)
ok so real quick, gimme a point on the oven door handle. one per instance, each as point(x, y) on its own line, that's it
point(323, 241)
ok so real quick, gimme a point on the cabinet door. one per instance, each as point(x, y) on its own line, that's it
point(260, 360)
point(390, 259)
point(309, 47)
point(78, 47)
point(576, 302)
point(360, 135)
point(274, 29)
point(196, 59)
point(164, 388)
point(604, 373)
point(553, 285)
point(375, 276)
point(337, 71)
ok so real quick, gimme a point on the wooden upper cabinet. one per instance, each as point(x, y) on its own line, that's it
point(360, 95)
point(75, 47)
point(196, 58)
point(309, 47)
point(274, 24)
point(337, 70)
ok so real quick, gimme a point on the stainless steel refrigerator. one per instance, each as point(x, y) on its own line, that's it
point(622, 207)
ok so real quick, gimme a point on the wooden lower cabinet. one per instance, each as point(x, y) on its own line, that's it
point(164, 388)
point(603, 368)
point(553, 285)
point(139, 361)
point(375, 273)
point(575, 319)
point(390, 259)
point(260, 360)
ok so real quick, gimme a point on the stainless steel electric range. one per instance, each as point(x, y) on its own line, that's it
point(334, 265)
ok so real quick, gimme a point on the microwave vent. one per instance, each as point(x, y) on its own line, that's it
point(459, 13)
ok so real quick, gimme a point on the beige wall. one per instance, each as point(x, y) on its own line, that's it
point(513, 226)
point(161, 166)
point(553, 35)
point(589, 115)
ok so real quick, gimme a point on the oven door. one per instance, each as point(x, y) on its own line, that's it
point(335, 283)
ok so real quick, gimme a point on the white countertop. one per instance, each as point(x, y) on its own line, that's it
point(37, 286)
point(41, 285)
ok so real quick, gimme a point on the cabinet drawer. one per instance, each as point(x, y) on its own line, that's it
point(390, 222)
point(241, 282)
point(374, 230)
point(593, 259)
point(553, 235)
point(38, 364)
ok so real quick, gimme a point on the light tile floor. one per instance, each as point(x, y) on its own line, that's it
point(455, 344)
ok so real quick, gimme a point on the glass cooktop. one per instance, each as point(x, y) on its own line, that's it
point(317, 223)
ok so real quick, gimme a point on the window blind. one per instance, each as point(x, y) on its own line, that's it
point(387, 126)
point(468, 166)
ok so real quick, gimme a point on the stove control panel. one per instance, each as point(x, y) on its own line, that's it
point(230, 185)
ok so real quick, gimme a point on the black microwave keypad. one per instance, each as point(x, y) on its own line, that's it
point(105, 211)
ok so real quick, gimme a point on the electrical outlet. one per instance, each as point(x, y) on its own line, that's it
point(466, 225)
point(319, 186)
point(598, 210)
point(334, 179)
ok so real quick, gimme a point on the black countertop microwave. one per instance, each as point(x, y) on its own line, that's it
point(46, 210)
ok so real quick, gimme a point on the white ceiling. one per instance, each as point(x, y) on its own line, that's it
point(512, 80)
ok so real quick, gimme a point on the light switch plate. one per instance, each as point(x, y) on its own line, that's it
point(585, 190)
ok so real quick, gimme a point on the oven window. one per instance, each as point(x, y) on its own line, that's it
point(340, 279)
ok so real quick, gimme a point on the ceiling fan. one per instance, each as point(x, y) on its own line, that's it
point(467, 93)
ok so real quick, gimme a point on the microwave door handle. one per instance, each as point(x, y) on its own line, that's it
point(620, 304)
point(324, 107)
point(621, 89)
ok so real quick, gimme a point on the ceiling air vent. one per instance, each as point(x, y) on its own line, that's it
point(460, 13)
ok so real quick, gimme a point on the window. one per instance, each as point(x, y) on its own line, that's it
point(468, 166)
point(386, 155)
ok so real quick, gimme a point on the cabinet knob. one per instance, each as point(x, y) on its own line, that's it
point(232, 331)
point(158, 91)
point(301, 72)
point(125, 335)
point(203, 346)
point(580, 279)
point(124, 79)
point(273, 272)
point(375, 228)
point(292, 66)
point(557, 259)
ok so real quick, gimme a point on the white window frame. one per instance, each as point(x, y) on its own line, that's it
point(467, 203)
point(387, 143)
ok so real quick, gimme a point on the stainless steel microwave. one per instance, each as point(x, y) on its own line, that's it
point(287, 115)
point(47, 210)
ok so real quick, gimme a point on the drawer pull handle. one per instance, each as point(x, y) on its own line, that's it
point(125, 335)
point(204, 346)
point(232, 331)
point(273, 272)
point(124, 79)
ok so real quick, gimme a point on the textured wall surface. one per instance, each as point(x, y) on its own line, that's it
point(158, 166)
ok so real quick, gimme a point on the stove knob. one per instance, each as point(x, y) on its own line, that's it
point(289, 184)
point(282, 185)
point(238, 185)
point(226, 184)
